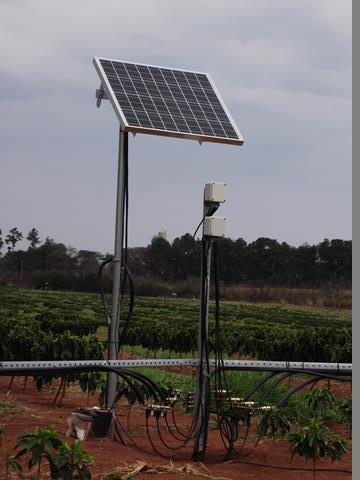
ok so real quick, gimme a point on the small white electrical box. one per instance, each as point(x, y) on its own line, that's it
point(214, 226)
point(214, 192)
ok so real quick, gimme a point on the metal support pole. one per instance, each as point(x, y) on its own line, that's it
point(201, 404)
point(113, 333)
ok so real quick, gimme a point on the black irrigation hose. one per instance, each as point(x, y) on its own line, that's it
point(132, 387)
point(260, 384)
point(203, 395)
point(330, 376)
point(163, 441)
point(171, 430)
point(185, 442)
point(151, 441)
point(158, 394)
point(224, 420)
point(301, 469)
point(273, 386)
point(247, 454)
point(296, 389)
point(185, 435)
point(245, 439)
point(119, 424)
point(319, 376)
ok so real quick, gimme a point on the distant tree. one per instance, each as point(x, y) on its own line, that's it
point(33, 237)
point(12, 238)
point(186, 257)
point(54, 256)
point(88, 261)
point(334, 260)
point(306, 265)
point(263, 260)
point(232, 260)
point(137, 261)
point(160, 257)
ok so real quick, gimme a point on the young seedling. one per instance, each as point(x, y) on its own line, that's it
point(71, 462)
point(314, 440)
point(39, 444)
point(274, 422)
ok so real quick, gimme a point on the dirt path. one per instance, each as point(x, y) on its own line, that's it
point(34, 408)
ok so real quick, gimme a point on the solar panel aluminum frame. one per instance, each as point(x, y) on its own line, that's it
point(167, 133)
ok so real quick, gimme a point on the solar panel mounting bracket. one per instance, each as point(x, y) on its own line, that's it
point(100, 95)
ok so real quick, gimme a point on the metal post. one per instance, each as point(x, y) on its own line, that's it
point(113, 333)
point(201, 404)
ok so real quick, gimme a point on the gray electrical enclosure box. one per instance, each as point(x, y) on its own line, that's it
point(214, 192)
point(214, 226)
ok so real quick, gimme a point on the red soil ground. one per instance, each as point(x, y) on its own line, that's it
point(34, 409)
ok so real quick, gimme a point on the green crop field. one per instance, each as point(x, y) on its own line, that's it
point(60, 325)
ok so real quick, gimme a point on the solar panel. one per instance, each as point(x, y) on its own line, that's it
point(166, 101)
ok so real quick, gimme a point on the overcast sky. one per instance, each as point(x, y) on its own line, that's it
point(283, 68)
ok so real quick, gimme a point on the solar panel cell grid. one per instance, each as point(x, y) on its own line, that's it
point(168, 100)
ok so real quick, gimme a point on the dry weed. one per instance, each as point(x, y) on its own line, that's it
point(128, 471)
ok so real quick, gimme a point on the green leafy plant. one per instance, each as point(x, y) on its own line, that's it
point(39, 444)
point(9, 460)
point(345, 412)
point(274, 422)
point(314, 440)
point(267, 331)
point(321, 401)
point(70, 462)
point(11, 464)
point(66, 462)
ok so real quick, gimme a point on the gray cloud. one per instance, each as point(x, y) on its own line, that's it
point(283, 68)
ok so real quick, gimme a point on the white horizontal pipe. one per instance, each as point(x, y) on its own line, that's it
point(254, 365)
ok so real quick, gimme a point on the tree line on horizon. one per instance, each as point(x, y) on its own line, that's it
point(263, 262)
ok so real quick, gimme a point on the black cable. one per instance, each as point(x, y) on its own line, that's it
point(158, 393)
point(102, 293)
point(134, 444)
point(224, 419)
point(203, 400)
point(131, 307)
point(185, 435)
point(301, 469)
point(151, 440)
point(212, 209)
point(125, 211)
point(105, 304)
point(260, 384)
point(163, 441)
point(171, 431)
point(268, 392)
point(197, 228)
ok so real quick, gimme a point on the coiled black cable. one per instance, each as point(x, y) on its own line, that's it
point(105, 304)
